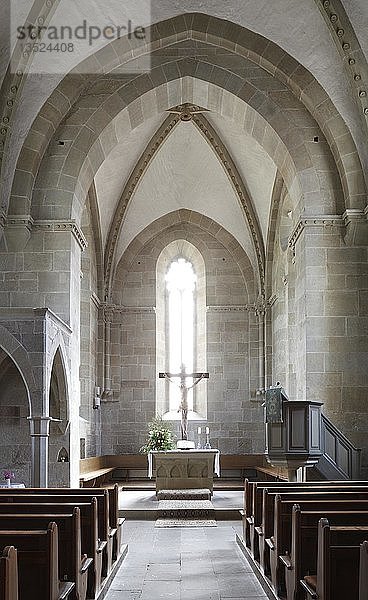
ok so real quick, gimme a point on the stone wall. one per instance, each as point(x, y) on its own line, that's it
point(234, 418)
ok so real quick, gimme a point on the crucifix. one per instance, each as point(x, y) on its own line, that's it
point(183, 408)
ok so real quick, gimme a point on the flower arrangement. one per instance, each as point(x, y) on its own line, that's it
point(8, 474)
point(160, 436)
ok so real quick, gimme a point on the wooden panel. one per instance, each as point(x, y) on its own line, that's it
point(297, 429)
point(276, 437)
point(342, 458)
point(315, 430)
point(330, 447)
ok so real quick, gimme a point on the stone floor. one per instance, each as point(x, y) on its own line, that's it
point(184, 564)
point(146, 499)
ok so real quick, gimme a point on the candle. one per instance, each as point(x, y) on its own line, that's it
point(199, 430)
point(207, 430)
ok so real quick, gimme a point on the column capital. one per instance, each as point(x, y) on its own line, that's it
point(40, 425)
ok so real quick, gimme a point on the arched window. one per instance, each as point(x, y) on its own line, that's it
point(180, 327)
point(181, 290)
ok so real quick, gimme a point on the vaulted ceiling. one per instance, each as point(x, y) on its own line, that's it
point(185, 171)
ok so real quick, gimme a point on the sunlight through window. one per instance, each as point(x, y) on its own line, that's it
point(181, 284)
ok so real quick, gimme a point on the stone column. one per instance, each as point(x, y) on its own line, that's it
point(331, 283)
point(40, 449)
point(261, 318)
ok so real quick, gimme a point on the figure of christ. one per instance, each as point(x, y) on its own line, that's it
point(183, 407)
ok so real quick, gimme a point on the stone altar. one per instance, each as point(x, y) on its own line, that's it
point(184, 469)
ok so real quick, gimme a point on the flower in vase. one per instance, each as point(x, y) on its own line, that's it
point(8, 474)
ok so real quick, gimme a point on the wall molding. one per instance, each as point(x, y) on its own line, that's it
point(120, 309)
point(230, 308)
point(62, 227)
point(314, 221)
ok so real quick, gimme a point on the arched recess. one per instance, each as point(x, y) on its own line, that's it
point(181, 248)
point(15, 441)
point(216, 33)
point(59, 438)
point(20, 357)
point(231, 292)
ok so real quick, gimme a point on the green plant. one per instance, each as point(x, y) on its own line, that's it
point(160, 436)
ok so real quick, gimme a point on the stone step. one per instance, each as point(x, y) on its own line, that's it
point(186, 509)
point(190, 494)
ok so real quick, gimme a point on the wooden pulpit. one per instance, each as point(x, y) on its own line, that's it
point(292, 431)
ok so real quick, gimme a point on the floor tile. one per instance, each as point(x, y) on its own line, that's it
point(183, 564)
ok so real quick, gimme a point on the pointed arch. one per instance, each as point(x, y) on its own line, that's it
point(306, 92)
point(19, 355)
point(180, 248)
point(139, 171)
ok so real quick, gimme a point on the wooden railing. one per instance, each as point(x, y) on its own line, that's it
point(340, 460)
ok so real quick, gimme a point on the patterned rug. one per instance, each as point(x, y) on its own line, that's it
point(185, 523)
point(179, 509)
point(190, 494)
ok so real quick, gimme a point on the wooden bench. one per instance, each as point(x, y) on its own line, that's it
point(38, 572)
point(115, 521)
point(363, 571)
point(253, 502)
point(91, 546)
point(9, 574)
point(97, 470)
point(266, 530)
point(281, 542)
point(263, 517)
point(302, 558)
point(337, 576)
point(105, 533)
point(72, 565)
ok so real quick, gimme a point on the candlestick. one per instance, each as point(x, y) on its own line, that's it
point(207, 444)
point(199, 443)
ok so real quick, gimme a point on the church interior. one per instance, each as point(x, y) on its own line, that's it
point(184, 243)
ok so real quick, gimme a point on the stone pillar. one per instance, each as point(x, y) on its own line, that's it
point(108, 316)
point(261, 318)
point(40, 449)
point(332, 342)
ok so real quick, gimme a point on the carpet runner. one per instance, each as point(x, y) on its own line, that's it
point(185, 508)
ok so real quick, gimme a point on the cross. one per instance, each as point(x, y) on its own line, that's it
point(184, 394)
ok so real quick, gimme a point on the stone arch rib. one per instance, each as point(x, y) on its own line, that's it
point(261, 51)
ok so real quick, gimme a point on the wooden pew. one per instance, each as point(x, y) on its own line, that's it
point(72, 565)
point(363, 571)
point(280, 543)
point(9, 574)
point(253, 503)
point(337, 576)
point(105, 534)
point(90, 544)
point(110, 524)
point(302, 558)
point(115, 522)
point(266, 529)
point(38, 572)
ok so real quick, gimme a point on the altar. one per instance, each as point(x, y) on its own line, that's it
point(184, 469)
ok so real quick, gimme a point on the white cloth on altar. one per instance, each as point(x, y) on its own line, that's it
point(216, 465)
